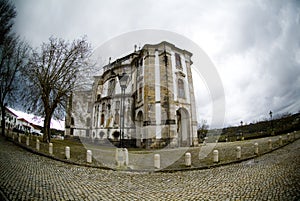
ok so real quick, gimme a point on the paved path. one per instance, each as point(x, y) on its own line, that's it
point(25, 176)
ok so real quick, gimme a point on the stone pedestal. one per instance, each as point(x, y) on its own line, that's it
point(216, 156)
point(238, 152)
point(50, 148)
point(156, 161)
point(188, 159)
point(122, 157)
point(256, 148)
point(67, 150)
point(89, 156)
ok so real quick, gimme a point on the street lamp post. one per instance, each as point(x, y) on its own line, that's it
point(242, 137)
point(123, 84)
point(270, 113)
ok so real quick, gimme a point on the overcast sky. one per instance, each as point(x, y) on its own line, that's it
point(254, 45)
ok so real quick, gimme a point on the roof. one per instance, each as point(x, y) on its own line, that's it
point(38, 121)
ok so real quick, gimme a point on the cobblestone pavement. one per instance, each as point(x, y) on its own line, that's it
point(25, 176)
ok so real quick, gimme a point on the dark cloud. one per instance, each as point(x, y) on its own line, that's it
point(255, 45)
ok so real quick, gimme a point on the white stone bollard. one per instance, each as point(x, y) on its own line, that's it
point(216, 156)
point(50, 148)
point(156, 161)
point(125, 152)
point(270, 144)
point(288, 137)
point(256, 148)
point(280, 141)
point(19, 139)
point(238, 152)
point(204, 143)
point(89, 156)
point(121, 157)
point(67, 150)
point(37, 144)
point(27, 141)
point(188, 159)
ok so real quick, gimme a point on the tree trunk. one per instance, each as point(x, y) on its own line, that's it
point(47, 133)
point(2, 120)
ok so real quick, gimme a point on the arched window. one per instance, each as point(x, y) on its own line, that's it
point(72, 121)
point(117, 119)
point(181, 93)
point(102, 119)
point(117, 105)
point(111, 87)
point(178, 61)
point(103, 107)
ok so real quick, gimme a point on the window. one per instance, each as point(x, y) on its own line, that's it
point(117, 119)
point(140, 92)
point(117, 105)
point(178, 61)
point(102, 120)
point(140, 71)
point(111, 87)
point(98, 97)
point(140, 68)
point(103, 107)
point(181, 93)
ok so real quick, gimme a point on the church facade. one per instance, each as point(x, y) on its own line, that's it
point(156, 109)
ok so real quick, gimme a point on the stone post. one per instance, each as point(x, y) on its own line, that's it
point(89, 156)
point(216, 156)
point(238, 152)
point(19, 139)
point(156, 161)
point(125, 152)
point(27, 141)
point(50, 148)
point(270, 144)
point(188, 159)
point(280, 141)
point(122, 157)
point(294, 135)
point(256, 148)
point(288, 137)
point(67, 150)
point(37, 144)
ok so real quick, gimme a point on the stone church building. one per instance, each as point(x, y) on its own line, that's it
point(158, 102)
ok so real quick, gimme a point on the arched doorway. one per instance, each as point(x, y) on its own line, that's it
point(183, 127)
point(139, 128)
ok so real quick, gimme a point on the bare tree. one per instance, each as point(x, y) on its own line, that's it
point(7, 14)
point(202, 129)
point(53, 73)
point(13, 55)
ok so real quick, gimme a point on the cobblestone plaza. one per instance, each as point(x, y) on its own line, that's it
point(26, 176)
